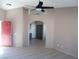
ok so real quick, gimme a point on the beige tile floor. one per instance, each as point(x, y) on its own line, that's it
point(32, 52)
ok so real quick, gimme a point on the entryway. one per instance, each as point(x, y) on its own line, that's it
point(36, 35)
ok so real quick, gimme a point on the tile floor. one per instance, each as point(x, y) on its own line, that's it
point(35, 51)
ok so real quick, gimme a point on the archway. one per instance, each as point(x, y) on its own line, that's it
point(37, 34)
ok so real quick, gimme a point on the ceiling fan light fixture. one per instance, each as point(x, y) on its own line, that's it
point(42, 10)
point(8, 4)
point(38, 9)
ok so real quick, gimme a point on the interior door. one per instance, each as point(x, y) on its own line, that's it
point(39, 31)
point(6, 33)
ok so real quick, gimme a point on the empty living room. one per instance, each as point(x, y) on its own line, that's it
point(38, 29)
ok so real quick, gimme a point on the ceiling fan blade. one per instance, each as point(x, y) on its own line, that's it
point(40, 4)
point(46, 7)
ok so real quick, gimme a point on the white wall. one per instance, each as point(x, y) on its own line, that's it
point(66, 22)
point(16, 17)
point(2, 14)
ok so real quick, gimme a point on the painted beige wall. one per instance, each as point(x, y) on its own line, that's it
point(66, 21)
point(16, 17)
point(25, 28)
point(2, 14)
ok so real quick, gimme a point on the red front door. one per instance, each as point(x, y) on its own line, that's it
point(6, 33)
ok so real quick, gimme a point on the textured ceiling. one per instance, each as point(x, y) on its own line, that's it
point(31, 3)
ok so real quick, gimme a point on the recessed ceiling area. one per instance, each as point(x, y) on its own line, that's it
point(33, 3)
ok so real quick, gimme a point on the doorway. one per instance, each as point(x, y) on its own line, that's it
point(36, 35)
point(39, 31)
